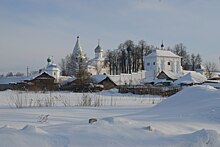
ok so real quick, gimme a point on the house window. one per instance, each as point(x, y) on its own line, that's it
point(168, 63)
point(154, 63)
point(148, 64)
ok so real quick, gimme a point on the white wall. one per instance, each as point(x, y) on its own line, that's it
point(133, 78)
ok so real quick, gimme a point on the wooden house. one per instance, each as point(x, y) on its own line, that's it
point(41, 81)
point(103, 80)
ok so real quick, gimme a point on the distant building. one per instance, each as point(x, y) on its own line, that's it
point(96, 65)
point(52, 69)
point(162, 60)
point(104, 80)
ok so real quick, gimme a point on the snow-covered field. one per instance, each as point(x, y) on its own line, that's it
point(59, 119)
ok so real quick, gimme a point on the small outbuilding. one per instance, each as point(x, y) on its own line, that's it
point(103, 80)
point(168, 75)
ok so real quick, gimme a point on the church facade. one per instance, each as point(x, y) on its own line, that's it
point(162, 60)
point(97, 65)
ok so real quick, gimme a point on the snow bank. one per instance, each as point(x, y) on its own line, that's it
point(29, 136)
point(200, 138)
point(192, 102)
point(120, 132)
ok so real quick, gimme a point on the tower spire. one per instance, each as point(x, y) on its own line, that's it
point(78, 51)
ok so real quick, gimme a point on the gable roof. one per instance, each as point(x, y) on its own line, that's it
point(162, 53)
point(14, 80)
point(32, 77)
point(67, 79)
point(171, 74)
point(99, 78)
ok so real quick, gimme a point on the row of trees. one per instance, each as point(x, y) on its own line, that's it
point(189, 61)
point(127, 58)
point(11, 74)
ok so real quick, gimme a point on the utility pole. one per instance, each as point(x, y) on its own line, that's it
point(27, 71)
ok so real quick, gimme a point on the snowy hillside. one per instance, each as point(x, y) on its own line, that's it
point(189, 118)
point(202, 102)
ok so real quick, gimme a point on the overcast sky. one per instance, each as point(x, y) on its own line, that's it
point(32, 30)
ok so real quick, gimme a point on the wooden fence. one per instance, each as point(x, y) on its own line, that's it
point(163, 91)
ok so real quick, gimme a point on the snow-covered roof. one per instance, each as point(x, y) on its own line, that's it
point(172, 75)
point(94, 61)
point(162, 53)
point(153, 80)
point(99, 78)
point(191, 77)
point(52, 65)
point(67, 79)
point(10, 80)
point(36, 75)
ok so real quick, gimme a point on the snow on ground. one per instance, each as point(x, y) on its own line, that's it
point(188, 118)
point(200, 102)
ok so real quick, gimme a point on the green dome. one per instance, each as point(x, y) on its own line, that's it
point(48, 59)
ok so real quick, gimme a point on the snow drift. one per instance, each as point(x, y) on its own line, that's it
point(192, 102)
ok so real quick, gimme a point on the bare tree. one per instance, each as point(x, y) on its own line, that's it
point(144, 49)
point(10, 74)
point(210, 67)
point(180, 50)
point(193, 61)
point(19, 74)
point(66, 65)
point(198, 59)
point(127, 58)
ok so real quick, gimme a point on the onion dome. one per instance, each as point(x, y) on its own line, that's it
point(98, 49)
point(162, 45)
point(48, 59)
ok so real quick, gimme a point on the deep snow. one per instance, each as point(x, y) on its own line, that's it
point(188, 118)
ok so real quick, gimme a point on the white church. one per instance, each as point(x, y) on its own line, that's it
point(162, 60)
point(95, 65)
point(52, 69)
